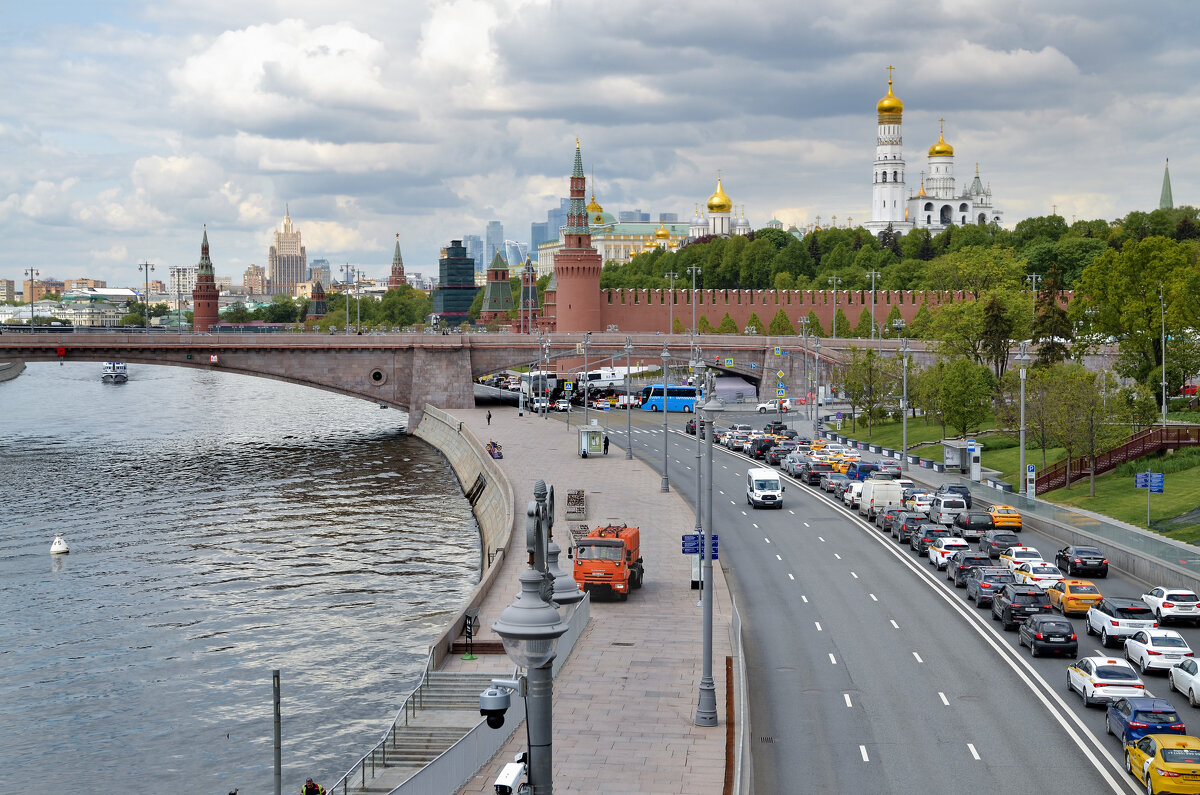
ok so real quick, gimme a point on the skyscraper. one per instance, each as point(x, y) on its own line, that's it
point(287, 262)
point(456, 286)
point(473, 244)
point(493, 241)
point(319, 271)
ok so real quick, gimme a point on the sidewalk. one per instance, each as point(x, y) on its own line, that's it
point(624, 704)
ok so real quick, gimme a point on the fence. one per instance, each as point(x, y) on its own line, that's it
point(1139, 444)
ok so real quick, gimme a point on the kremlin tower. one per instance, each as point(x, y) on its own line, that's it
point(497, 294)
point(204, 296)
point(396, 279)
point(577, 264)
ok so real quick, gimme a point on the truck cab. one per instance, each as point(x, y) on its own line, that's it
point(609, 558)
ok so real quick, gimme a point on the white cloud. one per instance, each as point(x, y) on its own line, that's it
point(114, 253)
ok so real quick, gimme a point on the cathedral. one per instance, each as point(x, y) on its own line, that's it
point(939, 202)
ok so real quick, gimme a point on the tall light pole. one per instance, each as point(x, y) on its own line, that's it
point(874, 275)
point(358, 300)
point(695, 271)
point(1023, 359)
point(672, 275)
point(628, 400)
point(666, 482)
point(33, 273)
point(803, 321)
point(706, 705)
point(817, 377)
point(147, 269)
point(1162, 301)
point(1033, 280)
point(346, 294)
point(898, 324)
point(834, 282)
point(587, 341)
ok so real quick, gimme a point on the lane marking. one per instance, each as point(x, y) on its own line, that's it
point(722, 493)
point(755, 525)
point(832, 659)
point(731, 502)
point(836, 555)
point(818, 623)
point(855, 576)
point(804, 599)
point(945, 701)
point(793, 513)
point(873, 599)
point(974, 753)
point(743, 512)
point(894, 624)
point(862, 749)
point(764, 537)
point(806, 524)
point(918, 657)
point(847, 697)
point(777, 557)
point(792, 577)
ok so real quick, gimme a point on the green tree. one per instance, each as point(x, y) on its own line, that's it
point(678, 327)
point(756, 323)
point(889, 322)
point(922, 322)
point(869, 382)
point(975, 270)
point(704, 326)
point(282, 309)
point(727, 325)
point(237, 313)
point(997, 336)
point(841, 323)
point(925, 392)
point(966, 393)
point(815, 329)
point(863, 329)
point(781, 326)
point(784, 281)
point(1051, 327)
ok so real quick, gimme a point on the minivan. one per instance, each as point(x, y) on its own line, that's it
point(859, 470)
point(764, 488)
point(945, 507)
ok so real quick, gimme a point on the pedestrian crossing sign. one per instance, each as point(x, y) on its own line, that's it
point(780, 393)
point(729, 362)
point(778, 351)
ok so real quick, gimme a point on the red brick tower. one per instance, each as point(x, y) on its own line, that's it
point(396, 278)
point(204, 296)
point(577, 264)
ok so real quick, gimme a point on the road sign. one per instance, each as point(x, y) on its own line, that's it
point(779, 374)
point(781, 393)
point(1156, 479)
point(970, 445)
point(729, 362)
point(778, 352)
point(1141, 480)
point(568, 386)
point(1156, 489)
point(753, 365)
point(1030, 469)
point(839, 415)
point(839, 425)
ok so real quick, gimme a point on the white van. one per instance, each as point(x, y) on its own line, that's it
point(877, 495)
point(764, 488)
point(945, 507)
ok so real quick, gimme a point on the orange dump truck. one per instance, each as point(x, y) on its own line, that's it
point(610, 558)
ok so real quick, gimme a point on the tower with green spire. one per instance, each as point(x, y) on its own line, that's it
point(497, 294)
point(396, 279)
point(204, 294)
point(1165, 201)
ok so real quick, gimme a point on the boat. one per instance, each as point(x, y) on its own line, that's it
point(59, 547)
point(115, 373)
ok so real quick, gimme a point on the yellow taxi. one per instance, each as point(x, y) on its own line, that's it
point(1073, 596)
point(1005, 516)
point(1015, 556)
point(818, 444)
point(1165, 762)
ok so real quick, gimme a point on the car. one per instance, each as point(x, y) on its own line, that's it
point(830, 480)
point(539, 403)
point(994, 542)
point(779, 404)
point(812, 471)
point(1073, 596)
point(954, 488)
point(945, 507)
point(1081, 560)
point(1161, 649)
point(792, 462)
point(1046, 634)
point(1005, 516)
point(832, 448)
point(1130, 719)
point(689, 427)
point(983, 581)
point(888, 468)
point(860, 470)
point(919, 502)
point(779, 452)
point(760, 447)
point(1039, 574)
point(884, 518)
point(1013, 603)
point(851, 493)
point(941, 549)
point(1115, 618)
point(1173, 604)
point(1185, 678)
point(562, 405)
point(962, 562)
point(1101, 679)
point(774, 426)
point(1165, 762)
point(910, 524)
point(972, 524)
point(929, 532)
point(1016, 555)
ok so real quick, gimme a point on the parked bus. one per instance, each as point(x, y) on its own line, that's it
point(678, 398)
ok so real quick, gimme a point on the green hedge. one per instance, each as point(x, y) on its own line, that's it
point(1174, 461)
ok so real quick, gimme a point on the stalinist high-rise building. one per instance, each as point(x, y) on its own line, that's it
point(287, 263)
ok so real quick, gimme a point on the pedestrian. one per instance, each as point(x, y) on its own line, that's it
point(606, 444)
point(489, 417)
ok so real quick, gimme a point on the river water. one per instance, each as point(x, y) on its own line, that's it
point(220, 527)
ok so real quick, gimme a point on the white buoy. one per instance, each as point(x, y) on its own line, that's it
point(59, 547)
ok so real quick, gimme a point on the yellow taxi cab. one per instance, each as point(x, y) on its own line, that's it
point(818, 444)
point(1005, 516)
point(1015, 556)
point(1073, 596)
point(841, 464)
point(1165, 762)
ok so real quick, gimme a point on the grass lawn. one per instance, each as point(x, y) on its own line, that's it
point(1173, 513)
point(889, 433)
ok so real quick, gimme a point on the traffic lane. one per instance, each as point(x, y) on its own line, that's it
point(853, 635)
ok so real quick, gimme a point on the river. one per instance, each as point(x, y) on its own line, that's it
point(220, 526)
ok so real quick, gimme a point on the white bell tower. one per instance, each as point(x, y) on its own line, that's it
point(888, 193)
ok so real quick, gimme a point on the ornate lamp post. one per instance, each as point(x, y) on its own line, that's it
point(628, 401)
point(835, 282)
point(672, 275)
point(899, 326)
point(874, 275)
point(694, 270)
point(706, 705)
point(1023, 358)
point(147, 269)
point(666, 482)
point(803, 322)
point(1162, 300)
point(32, 273)
point(817, 376)
point(587, 341)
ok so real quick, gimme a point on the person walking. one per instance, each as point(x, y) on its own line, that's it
point(606, 444)
point(489, 416)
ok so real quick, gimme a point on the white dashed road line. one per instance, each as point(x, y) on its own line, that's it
point(847, 697)
point(804, 599)
point(945, 701)
point(862, 749)
point(791, 576)
point(894, 624)
point(873, 598)
point(974, 753)
point(818, 625)
point(918, 657)
point(832, 659)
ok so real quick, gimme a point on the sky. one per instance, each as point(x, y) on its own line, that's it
point(128, 126)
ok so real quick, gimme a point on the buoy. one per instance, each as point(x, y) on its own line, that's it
point(59, 547)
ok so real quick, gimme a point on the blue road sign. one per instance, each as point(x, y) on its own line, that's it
point(1030, 469)
point(695, 537)
point(839, 415)
point(1141, 480)
point(689, 549)
point(1156, 489)
point(1156, 479)
point(753, 365)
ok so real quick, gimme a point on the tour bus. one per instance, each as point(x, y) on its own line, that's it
point(678, 398)
point(602, 379)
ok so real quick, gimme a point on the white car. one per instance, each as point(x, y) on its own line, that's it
point(540, 403)
point(1115, 618)
point(834, 448)
point(1015, 556)
point(941, 550)
point(1103, 679)
point(775, 405)
point(1039, 573)
point(1185, 678)
point(1174, 604)
point(852, 493)
point(905, 483)
point(562, 405)
point(919, 502)
point(1156, 648)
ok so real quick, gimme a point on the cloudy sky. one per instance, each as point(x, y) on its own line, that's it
point(129, 125)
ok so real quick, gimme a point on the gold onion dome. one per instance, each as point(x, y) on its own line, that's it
point(890, 105)
point(941, 148)
point(661, 233)
point(594, 206)
point(719, 202)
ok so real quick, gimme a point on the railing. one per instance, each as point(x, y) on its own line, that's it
point(1139, 444)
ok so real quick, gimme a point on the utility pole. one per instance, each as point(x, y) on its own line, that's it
point(803, 321)
point(147, 269)
point(346, 293)
point(672, 275)
point(874, 275)
point(33, 273)
point(834, 282)
point(1033, 280)
point(1162, 301)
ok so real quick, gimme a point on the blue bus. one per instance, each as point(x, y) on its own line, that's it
point(678, 398)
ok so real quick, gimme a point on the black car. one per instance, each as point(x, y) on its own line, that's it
point(954, 488)
point(1082, 560)
point(811, 473)
point(774, 427)
point(1042, 634)
point(779, 452)
point(962, 562)
point(982, 582)
point(920, 540)
point(1014, 603)
point(884, 518)
point(996, 541)
point(760, 447)
point(972, 524)
point(911, 524)
point(831, 480)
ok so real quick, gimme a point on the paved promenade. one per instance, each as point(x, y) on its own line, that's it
point(624, 704)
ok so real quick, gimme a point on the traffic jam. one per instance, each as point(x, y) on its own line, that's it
point(1123, 650)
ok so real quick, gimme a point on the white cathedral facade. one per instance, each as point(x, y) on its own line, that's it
point(939, 203)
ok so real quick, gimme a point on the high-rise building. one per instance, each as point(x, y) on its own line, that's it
point(181, 279)
point(8, 290)
point(539, 233)
point(514, 255)
point(318, 271)
point(79, 284)
point(493, 241)
point(287, 262)
point(474, 247)
point(456, 288)
point(255, 280)
point(34, 290)
point(204, 296)
point(628, 216)
point(668, 218)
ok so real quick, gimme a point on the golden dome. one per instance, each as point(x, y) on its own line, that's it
point(719, 202)
point(594, 206)
point(661, 233)
point(941, 148)
point(890, 105)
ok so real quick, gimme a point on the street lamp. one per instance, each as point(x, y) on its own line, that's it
point(817, 375)
point(1162, 301)
point(672, 275)
point(706, 705)
point(803, 321)
point(834, 282)
point(346, 297)
point(1033, 280)
point(628, 402)
point(33, 273)
point(358, 302)
point(587, 341)
point(147, 269)
point(1023, 358)
point(899, 324)
point(874, 275)
point(666, 482)
point(695, 271)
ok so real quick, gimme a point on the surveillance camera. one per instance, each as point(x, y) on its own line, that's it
point(493, 703)
point(510, 778)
